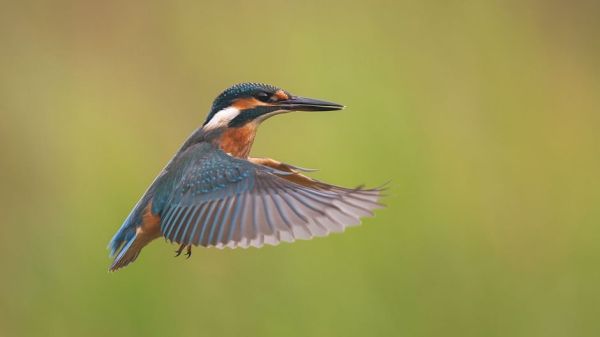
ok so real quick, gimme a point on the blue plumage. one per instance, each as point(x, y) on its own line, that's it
point(206, 197)
point(123, 235)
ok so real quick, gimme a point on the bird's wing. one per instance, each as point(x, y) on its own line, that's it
point(218, 200)
point(293, 172)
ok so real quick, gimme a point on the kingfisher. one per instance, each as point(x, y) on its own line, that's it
point(213, 194)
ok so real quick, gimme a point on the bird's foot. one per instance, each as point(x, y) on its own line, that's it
point(188, 251)
point(179, 251)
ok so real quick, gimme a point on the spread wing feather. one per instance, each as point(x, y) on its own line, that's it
point(217, 200)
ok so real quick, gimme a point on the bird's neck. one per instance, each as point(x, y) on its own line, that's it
point(237, 141)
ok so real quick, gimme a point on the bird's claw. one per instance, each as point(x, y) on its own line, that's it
point(178, 251)
point(188, 252)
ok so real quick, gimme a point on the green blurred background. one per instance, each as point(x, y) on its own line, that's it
point(484, 114)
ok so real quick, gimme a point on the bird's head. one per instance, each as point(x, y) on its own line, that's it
point(254, 102)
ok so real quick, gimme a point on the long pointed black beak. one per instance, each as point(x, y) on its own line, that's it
point(297, 103)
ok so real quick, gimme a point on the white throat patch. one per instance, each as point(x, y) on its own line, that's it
point(222, 118)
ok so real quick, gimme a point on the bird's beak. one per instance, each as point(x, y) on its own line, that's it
point(297, 103)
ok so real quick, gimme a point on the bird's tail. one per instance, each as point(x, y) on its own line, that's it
point(125, 251)
point(122, 246)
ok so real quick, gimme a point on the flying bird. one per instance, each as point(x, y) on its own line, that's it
point(212, 194)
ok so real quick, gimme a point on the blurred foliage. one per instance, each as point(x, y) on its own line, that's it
point(484, 114)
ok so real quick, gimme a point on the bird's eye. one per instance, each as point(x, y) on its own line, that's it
point(262, 96)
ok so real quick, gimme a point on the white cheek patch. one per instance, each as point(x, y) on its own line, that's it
point(222, 118)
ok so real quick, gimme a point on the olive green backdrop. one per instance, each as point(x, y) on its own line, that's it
point(483, 114)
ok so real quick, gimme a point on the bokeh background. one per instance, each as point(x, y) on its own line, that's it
point(483, 114)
